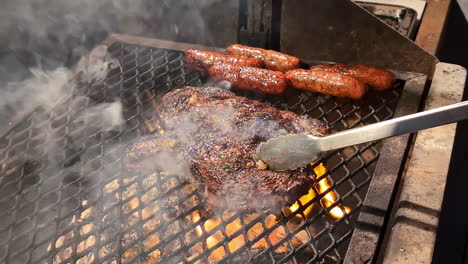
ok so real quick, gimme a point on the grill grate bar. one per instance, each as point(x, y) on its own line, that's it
point(95, 210)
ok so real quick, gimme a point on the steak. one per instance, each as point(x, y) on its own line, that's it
point(211, 134)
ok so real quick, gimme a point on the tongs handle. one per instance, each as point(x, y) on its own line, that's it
point(397, 126)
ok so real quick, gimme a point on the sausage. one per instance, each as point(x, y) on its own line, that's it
point(249, 78)
point(203, 60)
point(273, 60)
point(377, 79)
point(326, 82)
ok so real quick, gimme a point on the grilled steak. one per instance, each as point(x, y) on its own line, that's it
point(215, 133)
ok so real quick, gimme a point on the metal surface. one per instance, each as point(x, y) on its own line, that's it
point(362, 39)
point(374, 214)
point(411, 232)
point(400, 18)
point(259, 23)
point(290, 152)
point(75, 202)
point(417, 5)
point(255, 23)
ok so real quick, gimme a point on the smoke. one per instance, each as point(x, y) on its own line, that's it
point(76, 139)
point(204, 136)
point(44, 88)
point(59, 32)
point(56, 106)
point(48, 89)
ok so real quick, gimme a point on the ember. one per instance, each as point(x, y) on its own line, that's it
point(321, 187)
point(278, 234)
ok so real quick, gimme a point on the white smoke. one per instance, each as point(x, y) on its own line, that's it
point(58, 108)
point(57, 33)
point(44, 88)
point(63, 31)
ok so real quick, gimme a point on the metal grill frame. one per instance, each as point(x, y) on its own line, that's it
point(372, 215)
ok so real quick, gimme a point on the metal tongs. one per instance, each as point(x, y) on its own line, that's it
point(294, 151)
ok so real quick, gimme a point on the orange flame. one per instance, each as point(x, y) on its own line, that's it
point(148, 124)
point(235, 243)
point(304, 200)
point(212, 240)
point(321, 187)
point(330, 198)
point(209, 225)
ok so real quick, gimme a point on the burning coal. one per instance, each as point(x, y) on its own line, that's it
point(304, 207)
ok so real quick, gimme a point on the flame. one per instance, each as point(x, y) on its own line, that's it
point(330, 198)
point(151, 127)
point(303, 200)
point(321, 187)
point(320, 169)
point(147, 122)
point(212, 240)
point(148, 125)
point(236, 242)
point(338, 213)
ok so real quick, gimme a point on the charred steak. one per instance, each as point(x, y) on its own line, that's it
point(212, 135)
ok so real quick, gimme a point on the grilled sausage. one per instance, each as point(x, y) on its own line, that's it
point(273, 60)
point(203, 60)
point(320, 81)
point(377, 79)
point(249, 78)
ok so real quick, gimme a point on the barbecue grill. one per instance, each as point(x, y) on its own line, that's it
point(160, 217)
point(66, 198)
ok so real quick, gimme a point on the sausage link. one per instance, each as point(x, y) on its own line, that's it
point(377, 79)
point(320, 81)
point(249, 78)
point(203, 60)
point(273, 60)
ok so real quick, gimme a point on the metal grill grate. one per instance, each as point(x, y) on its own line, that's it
point(64, 196)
